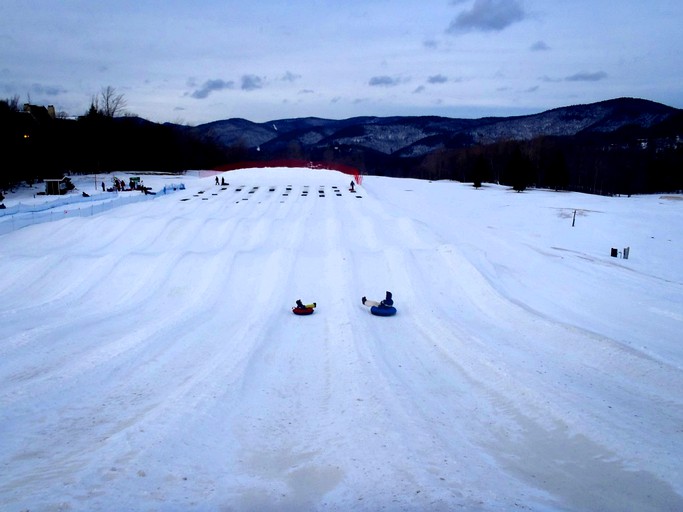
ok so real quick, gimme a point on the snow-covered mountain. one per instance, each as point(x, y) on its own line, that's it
point(416, 136)
point(150, 360)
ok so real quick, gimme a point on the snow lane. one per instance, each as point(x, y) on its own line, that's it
point(428, 388)
point(202, 378)
point(288, 420)
point(592, 364)
point(396, 370)
point(469, 281)
point(264, 339)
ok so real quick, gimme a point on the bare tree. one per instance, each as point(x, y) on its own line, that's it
point(111, 103)
point(13, 103)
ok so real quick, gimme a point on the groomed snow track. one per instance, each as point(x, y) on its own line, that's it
point(151, 362)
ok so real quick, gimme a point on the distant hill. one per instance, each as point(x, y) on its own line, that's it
point(417, 136)
point(623, 145)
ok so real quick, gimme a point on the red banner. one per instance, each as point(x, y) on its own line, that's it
point(290, 163)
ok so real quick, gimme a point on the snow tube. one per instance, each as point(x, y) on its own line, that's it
point(383, 310)
point(302, 311)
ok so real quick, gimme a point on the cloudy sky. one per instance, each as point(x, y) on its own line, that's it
point(196, 62)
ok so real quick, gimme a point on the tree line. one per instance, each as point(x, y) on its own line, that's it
point(606, 164)
point(36, 143)
point(631, 160)
point(628, 161)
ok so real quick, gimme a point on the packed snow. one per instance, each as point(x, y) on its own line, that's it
point(150, 360)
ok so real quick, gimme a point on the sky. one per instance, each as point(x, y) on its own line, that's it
point(150, 360)
point(196, 62)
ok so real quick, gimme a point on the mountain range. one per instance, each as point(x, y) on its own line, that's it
point(411, 137)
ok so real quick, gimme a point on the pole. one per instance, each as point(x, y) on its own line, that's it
point(574, 219)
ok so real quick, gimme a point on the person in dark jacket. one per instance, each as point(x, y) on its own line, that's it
point(301, 305)
point(386, 303)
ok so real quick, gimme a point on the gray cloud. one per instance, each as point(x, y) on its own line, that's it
point(211, 86)
point(587, 77)
point(437, 79)
point(487, 16)
point(539, 46)
point(384, 81)
point(47, 90)
point(251, 82)
point(290, 77)
point(577, 77)
point(419, 89)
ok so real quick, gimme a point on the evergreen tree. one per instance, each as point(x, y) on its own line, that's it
point(518, 170)
point(558, 173)
point(481, 171)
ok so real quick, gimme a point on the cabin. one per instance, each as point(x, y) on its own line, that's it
point(57, 187)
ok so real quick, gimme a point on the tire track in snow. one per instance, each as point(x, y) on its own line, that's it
point(289, 397)
point(482, 380)
point(424, 393)
point(382, 403)
point(167, 271)
point(202, 380)
point(501, 393)
point(342, 393)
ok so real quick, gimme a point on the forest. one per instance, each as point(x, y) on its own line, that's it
point(36, 145)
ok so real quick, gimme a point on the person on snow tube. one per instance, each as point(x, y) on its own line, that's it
point(386, 303)
point(301, 305)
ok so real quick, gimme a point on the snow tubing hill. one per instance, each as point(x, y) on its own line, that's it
point(383, 311)
point(302, 311)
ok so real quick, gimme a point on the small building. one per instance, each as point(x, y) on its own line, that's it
point(57, 187)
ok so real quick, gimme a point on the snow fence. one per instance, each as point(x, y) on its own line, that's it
point(22, 215)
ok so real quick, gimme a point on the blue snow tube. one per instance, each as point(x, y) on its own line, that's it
point(383, 310)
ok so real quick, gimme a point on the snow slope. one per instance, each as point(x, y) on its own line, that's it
point(149, 359)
